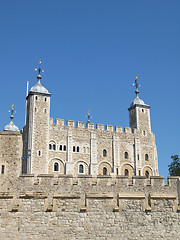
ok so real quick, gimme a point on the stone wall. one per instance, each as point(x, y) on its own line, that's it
point(63, 207)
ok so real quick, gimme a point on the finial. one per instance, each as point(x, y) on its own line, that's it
point(89, 116)
point(39, 70)
point(12, 112)
point(136, 84)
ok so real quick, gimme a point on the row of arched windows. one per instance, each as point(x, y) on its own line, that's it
point(52, 146)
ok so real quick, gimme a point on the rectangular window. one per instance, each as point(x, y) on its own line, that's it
point(117, 172)
point(64, 147)
point(74, 148)
point(2, 169)
point(60, 147)
point(77, 149)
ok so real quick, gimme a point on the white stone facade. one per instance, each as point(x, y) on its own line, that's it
point(57, 148)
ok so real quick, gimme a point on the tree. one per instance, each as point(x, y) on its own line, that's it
point(174, 167)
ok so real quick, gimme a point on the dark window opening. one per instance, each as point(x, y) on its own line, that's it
point(50, 147)
point(36, 98)
point(104, 171)
point(146, 157)
point(39, 153)
point(56, 167)
point(138, 156)
point(126, 172)
point(104, 153)
point(45, 99)
point(64, 147)
point(117, 171)
point(54, 147)
point(60, 147)
point(139, 173)
point(2, 169)
point(142, 110)
point(74, 148)
point(81, 168)
point(147, 174)
point(77, 149)
point(126, 155)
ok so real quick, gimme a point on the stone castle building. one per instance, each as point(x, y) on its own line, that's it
point(82, 182)
point(56, 148)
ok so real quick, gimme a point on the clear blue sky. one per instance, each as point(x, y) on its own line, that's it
point(91, 51)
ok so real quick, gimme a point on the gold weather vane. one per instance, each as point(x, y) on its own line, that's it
point(39, 69)
point(88, 116)
point(12, 111)
point(136, 84)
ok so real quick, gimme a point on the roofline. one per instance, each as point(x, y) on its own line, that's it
point(138, 105)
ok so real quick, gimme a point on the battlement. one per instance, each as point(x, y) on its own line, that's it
point(89, 125)
point(115, 190)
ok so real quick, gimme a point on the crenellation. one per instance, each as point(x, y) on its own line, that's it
point(127, 130)
point(59, 122)
point(90, 125)
point(70, 123)
point(80, 124)
point(118, 129)
point(100, 127)
point(109, 128)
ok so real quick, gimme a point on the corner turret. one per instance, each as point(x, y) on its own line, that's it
point(139, 113)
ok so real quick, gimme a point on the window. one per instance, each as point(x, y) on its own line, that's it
point(81, 168)
point(117, 171)
point(104, 153)
point(60, 147)
point(74, 148)
point(56, 167)
point(50, 147)
point(146, 157)
point(35, 109)
point(126, 172)
point(144, 133)
point(84, 150)
point(45, 111)
point(138, 156)
point(54, 147)
point(139, 173)
point(104, 171)
point(142, 110)
point(77, 149)
point(126, 155)
point(39, 153)
point(147, 174)
point(36, 98)
point(2, 169)
point(45, 99)
point(64, 147)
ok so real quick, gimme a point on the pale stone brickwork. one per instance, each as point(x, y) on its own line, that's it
point(104, 207)
point(73, 184)
point(85, 149)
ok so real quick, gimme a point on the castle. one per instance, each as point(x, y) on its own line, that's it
point(80, 182)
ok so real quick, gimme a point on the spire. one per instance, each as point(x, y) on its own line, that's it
point(137, 100)
point(88, 116)
point(11, 126)
point(38, 87)
point(136, 84)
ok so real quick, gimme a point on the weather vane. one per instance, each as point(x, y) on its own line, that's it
point(88, 116)
point(12, 111)
point(39, 69)
point(136, 84)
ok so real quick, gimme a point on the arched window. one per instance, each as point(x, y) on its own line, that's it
point(126, 155)
point(104, 171)
point(104, 153)
point(74, 148)
point(50, 146)
point(54, 147)
point(77, 149)
point(45, 99)
point(36, 98)
point(81, 168)
point(147, 174)
point(146, 157)
point(126, 172)
point(56, 167)
point(60, 147)
point(64, 147)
